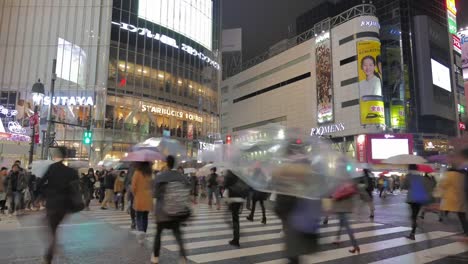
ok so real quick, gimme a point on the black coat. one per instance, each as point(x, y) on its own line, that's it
point(55, 185)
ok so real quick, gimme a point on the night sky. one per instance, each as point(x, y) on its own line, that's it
point(266, 22)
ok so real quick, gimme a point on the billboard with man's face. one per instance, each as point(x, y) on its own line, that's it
point(370, 83)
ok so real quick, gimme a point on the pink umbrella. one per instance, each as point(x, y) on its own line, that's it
point(144, 155)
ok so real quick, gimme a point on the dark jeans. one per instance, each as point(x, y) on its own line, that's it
point(252, 212)
point(175, 227)
point(102, 192)
point(415, 208)
point(235, 209)
point(17, 201)
point(464, 224)
point(2, 205)
point(132, 211)
point(142, 220)
point(54, 218)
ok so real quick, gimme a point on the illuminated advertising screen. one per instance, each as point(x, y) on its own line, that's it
point(384, 146)
point(324, 79)
point(191, 18)
point(440, 75)
point(370, 83)
point(71, 62)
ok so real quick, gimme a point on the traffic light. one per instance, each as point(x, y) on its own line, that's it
point(87, 137)
point(228, 139)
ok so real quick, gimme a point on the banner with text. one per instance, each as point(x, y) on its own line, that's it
point(370, 83)
point(324, 81)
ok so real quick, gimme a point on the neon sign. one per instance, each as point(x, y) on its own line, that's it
point(66, 100)
point(13, 126)
point(168, 41)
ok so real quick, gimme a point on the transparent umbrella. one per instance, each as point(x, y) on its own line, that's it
point(165, 146)
point(287, 162)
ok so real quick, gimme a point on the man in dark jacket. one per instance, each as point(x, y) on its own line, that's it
point(55, 185)
point(165, 196)
point(237, 191)
point(109, 181)
point(128, 188)
point(213, 189)
point(16, 185)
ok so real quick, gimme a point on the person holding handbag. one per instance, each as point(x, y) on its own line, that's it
point(60, 186)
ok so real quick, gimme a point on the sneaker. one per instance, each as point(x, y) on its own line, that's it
point(411, 236)
point(103, 208)
point(133, 226)
point(141, 237)
point(154, 259)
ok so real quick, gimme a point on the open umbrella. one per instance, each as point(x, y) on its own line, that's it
point(425, 168)
point(165, 146)
point(405, 159)
point(144, 155)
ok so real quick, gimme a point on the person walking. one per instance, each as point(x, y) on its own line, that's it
point(55, 185)
point(130, 196)
point(194, 188)
point(237, 191)
point(366, 187)
point(258, 196)
point(119, 190)
point(87, 186)
point(102, 187)
point(17, 183)
point(213, 189)
point(453, 200)
point(143, 201)
point(420, 190)
point(343, 206)
point(3, 188)
point(172, 193)
point(109, 181)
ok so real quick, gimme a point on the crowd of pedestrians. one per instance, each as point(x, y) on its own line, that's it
point(169, 194)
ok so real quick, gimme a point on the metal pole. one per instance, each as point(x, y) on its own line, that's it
point(49, 114)
point(44, 142)
point(31, 149)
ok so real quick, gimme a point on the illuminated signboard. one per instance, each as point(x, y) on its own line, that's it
point(168, 41)
point(451, 7)
point(457, 44)
point(168, 111)
point(452, 23)
point(65, 100)
point(319, 131)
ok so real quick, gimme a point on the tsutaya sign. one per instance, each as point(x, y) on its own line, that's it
point(67, 100)
point(161, 110)
point(319, 131)
point(168, 41)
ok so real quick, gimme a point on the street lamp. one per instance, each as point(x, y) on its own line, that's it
point(38, 93)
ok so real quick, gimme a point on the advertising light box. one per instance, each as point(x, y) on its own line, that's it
point(440, 75)
point(191, 18)
point(374, 148)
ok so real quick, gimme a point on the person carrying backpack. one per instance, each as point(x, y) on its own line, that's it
point(213, 188)
point(420, 190)
point(172, 193)
point(238, 190)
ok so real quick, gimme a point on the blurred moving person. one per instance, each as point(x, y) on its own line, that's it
point(87, 187)
point(366, 187)
point(130, 196)
point(172, 193)
point(343, 205)
point(109, 181)
point(3, 189)
point(453, 196)
point(258, 196)
point(16, 185)
point(143, 200)
point(194, 188)
point(119, 190)
point(237, 191)
point(213, 189)
point(420, 190)
point(56, 185)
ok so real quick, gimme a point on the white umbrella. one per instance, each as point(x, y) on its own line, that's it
point(40, 167)
point(405, 159)
point(189, 170)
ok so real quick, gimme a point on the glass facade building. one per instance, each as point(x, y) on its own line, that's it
point(126, 69)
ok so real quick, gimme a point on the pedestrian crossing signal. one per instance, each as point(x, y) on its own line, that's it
point(87, 137)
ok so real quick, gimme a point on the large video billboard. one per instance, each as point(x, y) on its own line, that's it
point(370, 83)
point(324, 79)
point(191, 18)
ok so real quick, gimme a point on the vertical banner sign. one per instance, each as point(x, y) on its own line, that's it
point(457, 44)
point(324, 83)
point(370, 83)
point(451, 16)
point(361, 148)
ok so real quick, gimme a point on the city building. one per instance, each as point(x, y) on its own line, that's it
point(359, 77)
point(126, 70)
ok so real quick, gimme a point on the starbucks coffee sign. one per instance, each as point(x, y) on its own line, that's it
point(328, 129)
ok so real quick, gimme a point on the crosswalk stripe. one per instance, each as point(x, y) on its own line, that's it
point(427, 255)
point(373, 247)
point(257, 229)
point(315, 258)
point(324, 240)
